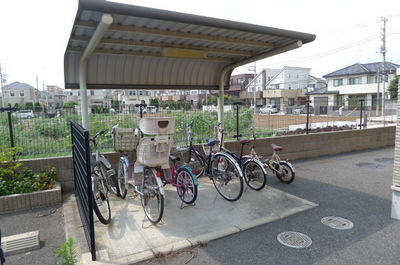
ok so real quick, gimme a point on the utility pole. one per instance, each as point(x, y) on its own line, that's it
point(383, 71)
point(254, 68)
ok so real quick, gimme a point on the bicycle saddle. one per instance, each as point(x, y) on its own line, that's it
point(212, 142)
point(276, 147)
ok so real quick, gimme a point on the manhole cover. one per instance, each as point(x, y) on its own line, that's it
point(337, 222)
point(384, 160)
point(370, 165)
point(294, 239)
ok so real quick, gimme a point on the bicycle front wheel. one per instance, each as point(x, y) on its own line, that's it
point(192, 158)
point(226, 177)
point(112, 181)
point(254, 175)
point(122, 178)
point(152, 199)
point(101, 205)
point(285, 172)
point(186, 186)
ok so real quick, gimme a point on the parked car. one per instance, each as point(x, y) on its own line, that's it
point(303, 110)
point(268, 109)
point(150, 109)
point(24, 114)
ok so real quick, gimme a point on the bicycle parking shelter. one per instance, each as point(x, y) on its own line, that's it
point(120, 46)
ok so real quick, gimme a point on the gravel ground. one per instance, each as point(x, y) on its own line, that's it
point(48, 221)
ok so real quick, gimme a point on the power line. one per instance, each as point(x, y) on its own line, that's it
point(317, 56)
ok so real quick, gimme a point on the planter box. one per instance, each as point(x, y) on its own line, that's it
point(28, 201)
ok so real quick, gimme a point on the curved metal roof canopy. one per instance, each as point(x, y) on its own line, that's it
point(156, 49)
point(114, 45)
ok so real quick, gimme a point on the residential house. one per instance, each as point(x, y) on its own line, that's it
point(237, 85)
point(253, 89)
point(128, 98)
point(97, 99)
point(288, 87)
point(196, 97)
point(348, 86)
point(20, 94)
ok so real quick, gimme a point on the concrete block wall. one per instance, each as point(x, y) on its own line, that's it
point(27, 201)
point(294, 147)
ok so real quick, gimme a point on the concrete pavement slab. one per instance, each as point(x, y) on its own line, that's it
point(131, 238)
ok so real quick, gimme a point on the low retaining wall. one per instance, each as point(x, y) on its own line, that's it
point(27, 201)
point(294, 147)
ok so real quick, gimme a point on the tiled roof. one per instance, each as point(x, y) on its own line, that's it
point(358, 68)
point(18, 85)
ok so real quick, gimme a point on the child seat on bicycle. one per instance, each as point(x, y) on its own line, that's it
point(155, 148)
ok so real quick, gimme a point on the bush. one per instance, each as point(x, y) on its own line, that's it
point(15, 180)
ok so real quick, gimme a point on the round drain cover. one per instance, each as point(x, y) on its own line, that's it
point(370, 165)
point(337, 222)
point(294, 239)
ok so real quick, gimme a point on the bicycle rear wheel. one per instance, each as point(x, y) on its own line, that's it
point(122, 178)
point(186, 186)
point(191, 158)
point(254, 175)
point(152, 199)
point(101, 205)
point(226, 177)
point(285, 172)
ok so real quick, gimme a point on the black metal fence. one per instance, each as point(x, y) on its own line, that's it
point(82, 180)
point(49, 136)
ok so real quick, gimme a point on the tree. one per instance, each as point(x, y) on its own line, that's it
point(38, 107)
point(394, 87)
point(70, 104)
point(154, 102)
point(29, 105)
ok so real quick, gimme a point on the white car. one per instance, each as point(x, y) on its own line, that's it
point(303, 110)
point(24, 114)
point(268, 109)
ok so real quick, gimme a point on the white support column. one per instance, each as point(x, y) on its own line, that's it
point(396, 168)
point(104, 24)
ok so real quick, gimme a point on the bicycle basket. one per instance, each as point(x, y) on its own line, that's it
point(125, 139)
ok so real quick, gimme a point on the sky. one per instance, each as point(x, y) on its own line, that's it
point(34, 33)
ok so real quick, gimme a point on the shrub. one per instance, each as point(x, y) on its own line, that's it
point(15, 180)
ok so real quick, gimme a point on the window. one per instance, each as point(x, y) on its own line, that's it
point(291, 101)
point(12, 93)
point(240, 81)
point(132, 92)
point(92, 92)
point(140, 93)
point(337, 82)
point(354, 80)
point(22, 93)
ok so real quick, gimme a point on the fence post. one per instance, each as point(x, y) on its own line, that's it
point(237, 136)
point(308, 115)
point(9, 110)
point(361, 111)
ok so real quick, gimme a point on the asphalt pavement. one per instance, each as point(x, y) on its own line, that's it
point(354, 186)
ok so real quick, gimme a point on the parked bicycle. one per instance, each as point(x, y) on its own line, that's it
point(219, 166)
point(156, 173)
point(189, 155)
point(125, 141)
point(283, 169)
point(253, 169)
point(103, 180)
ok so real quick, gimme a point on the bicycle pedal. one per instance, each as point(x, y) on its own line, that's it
point(132, 197)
